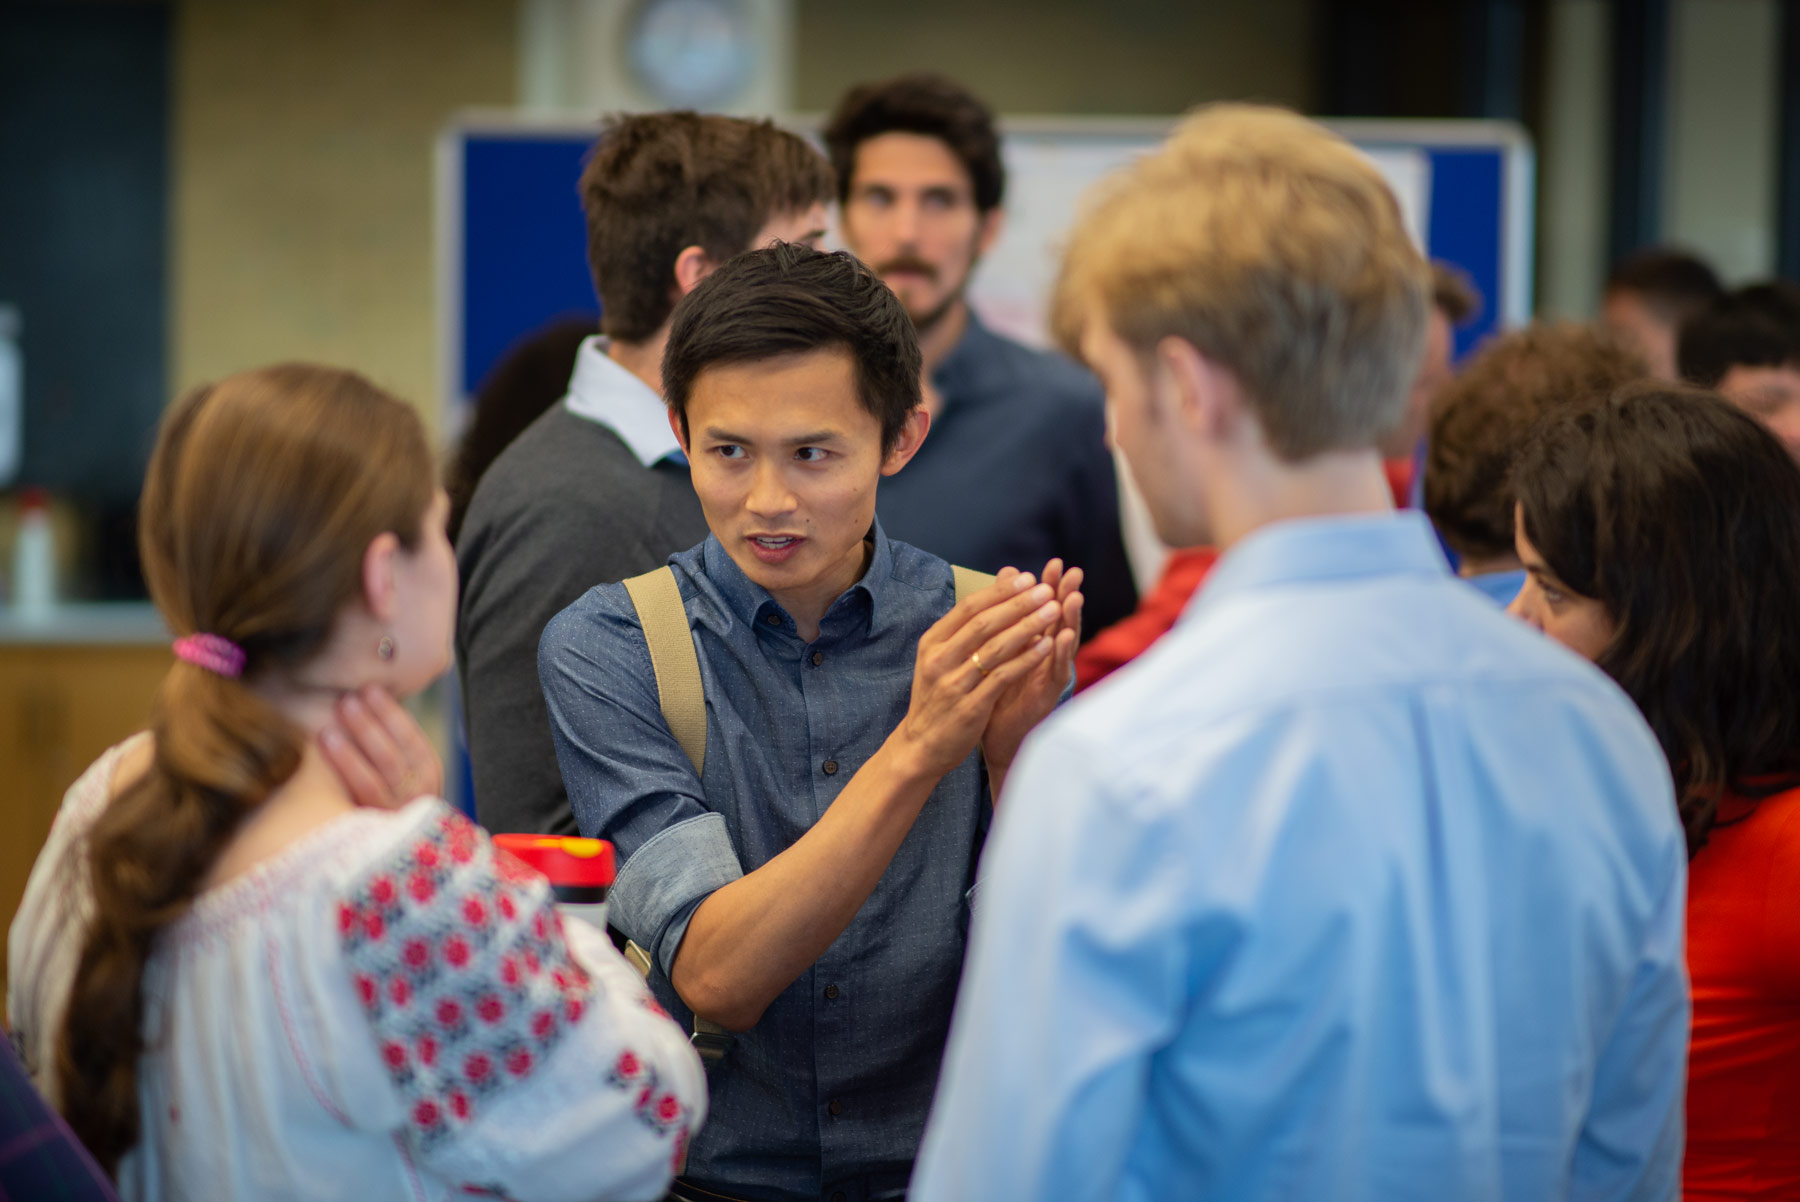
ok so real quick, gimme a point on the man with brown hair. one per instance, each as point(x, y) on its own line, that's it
point(1351, 888)
point(596, 490)
point(1480, 423)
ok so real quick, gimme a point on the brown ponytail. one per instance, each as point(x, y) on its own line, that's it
point(262, 495)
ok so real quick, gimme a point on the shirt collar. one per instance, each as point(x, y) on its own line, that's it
point(603, 391)
point(1317, 549)
point(751, 603)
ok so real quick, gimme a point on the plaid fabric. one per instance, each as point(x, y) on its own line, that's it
point(40, 1158)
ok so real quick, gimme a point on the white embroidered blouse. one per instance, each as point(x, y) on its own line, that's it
point(391, 1008)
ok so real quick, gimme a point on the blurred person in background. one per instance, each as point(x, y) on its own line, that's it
point(1481, 423)
point(1350, 888)
point(1746, 346)
point(530, 377)
point(1661, 532)
point(1648, 296)
point(1016, 471)
point(1453, 302)
point(233, 980)
point(597, 490)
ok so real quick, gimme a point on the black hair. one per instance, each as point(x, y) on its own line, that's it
point(1680, 514)
point(1674, 284)
point(920, 103)
point(1756, 326)
point(789, 299)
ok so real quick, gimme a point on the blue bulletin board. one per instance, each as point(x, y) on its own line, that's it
point(512, 251)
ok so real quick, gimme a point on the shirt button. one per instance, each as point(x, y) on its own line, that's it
point(818, 658)
point(831, 991)
point(773, 619)
point(836, 1107)
point(830, 767)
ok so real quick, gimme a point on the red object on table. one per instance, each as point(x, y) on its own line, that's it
point(565, 859)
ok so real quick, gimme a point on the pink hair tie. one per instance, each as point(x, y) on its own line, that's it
point(211, 652)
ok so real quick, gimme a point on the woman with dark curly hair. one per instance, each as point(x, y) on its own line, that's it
point(1660, 531)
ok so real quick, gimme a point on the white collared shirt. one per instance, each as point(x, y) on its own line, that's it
point(602, 390)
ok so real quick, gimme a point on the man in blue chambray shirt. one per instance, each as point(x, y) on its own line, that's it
point(807, 889)
point(1350, 888)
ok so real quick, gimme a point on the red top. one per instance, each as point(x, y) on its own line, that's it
point(1157, 610)
point(1743, 951)
point(565, 859)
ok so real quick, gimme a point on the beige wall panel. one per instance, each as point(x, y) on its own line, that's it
point(1064, 56)
point(303, 169)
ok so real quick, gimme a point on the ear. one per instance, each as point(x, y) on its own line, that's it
point(680, 429)
point(993, 222)
point(380, 593)
point(912, 436)
point(692, 265)
point(1201, 394)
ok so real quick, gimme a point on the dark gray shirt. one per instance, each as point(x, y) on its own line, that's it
point(1015, 471)
point(830, 1089)
point(566, 506)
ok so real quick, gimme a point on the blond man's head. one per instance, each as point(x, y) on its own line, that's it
point(1278, 252)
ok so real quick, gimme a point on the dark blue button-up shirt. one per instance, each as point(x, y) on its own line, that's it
point(830, 1090)
point(1015, 471)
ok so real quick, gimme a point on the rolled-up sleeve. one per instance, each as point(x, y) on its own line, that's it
point(628, 779)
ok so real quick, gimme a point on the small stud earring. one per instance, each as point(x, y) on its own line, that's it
point(385, 648)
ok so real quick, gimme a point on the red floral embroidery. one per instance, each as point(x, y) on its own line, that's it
point(449, 1039)
point(679, 1160)
point(668, 1108)
point(629, 1065)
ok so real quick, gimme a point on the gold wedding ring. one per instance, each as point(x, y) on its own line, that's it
point(976, 660)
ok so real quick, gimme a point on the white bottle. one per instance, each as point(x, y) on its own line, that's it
point(34, 558)
point(12, 395)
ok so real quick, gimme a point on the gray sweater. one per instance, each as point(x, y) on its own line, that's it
point(565, 507)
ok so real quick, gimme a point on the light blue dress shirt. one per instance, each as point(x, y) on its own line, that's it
point(1351, 888)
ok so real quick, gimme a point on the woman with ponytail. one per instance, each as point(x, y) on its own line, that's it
point(233, 981)
point(1660, 533)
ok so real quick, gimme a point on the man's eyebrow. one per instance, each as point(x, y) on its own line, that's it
point(716, 434)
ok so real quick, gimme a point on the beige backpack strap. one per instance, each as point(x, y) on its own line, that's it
point(664, 619)
point(683, 698)
point(969, 581)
